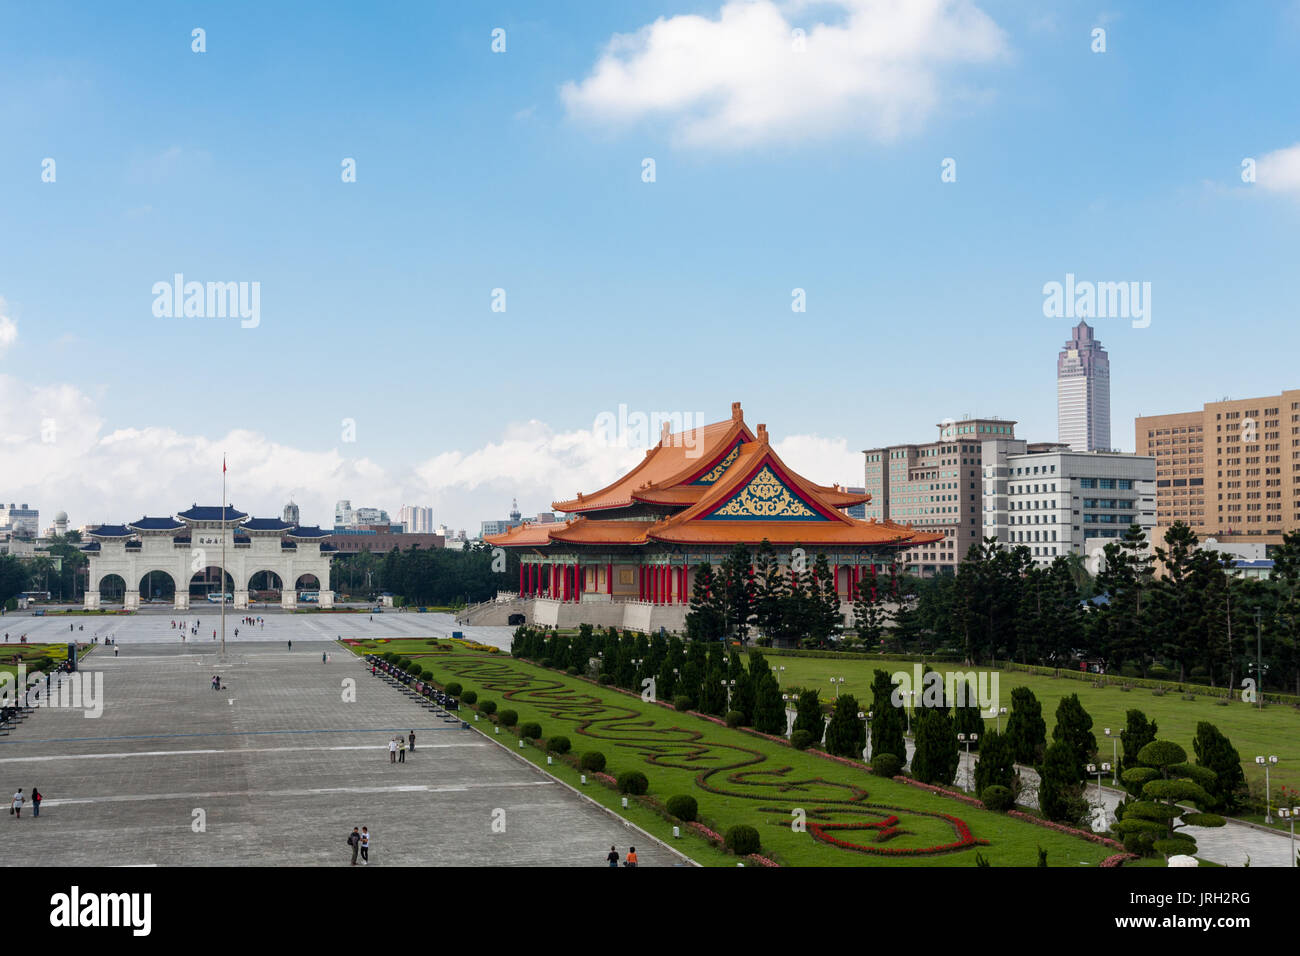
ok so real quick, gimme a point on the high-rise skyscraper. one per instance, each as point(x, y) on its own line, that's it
point(416, 520)
point(1083, 393)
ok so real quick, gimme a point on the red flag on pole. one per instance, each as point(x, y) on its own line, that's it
point(223, 464)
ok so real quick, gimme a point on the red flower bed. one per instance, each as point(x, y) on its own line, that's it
point(1062, 828)
point(1119, 859)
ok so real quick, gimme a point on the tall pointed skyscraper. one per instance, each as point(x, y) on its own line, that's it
point(1083, 392)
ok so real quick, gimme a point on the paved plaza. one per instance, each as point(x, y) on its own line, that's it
point(153, 626)
point(279, 768)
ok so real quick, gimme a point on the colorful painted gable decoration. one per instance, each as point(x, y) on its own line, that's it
point(765, 496)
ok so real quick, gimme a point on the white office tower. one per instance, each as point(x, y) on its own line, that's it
point(1083, 393)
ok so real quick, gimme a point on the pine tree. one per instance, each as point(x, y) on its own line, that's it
point(996, 763)
point(769, 711)
point(846, 736)
point(1060, 794)
point(809, 714)
point(886, 719)
point(937, 754)
point(737, 592)
point(704, 620)
point(1026, 729)
point(825, 619)
point(1137, 733)
point(1074, 729)
point(1215, 753)
point(770, 586)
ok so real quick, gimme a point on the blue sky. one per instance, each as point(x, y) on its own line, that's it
point(475, 171)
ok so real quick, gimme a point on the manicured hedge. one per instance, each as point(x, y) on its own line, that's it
point(886, 765)
point(454, 689)
point(998, 798)
point(742, 840)
point(508, 718)
point(593, 761)
point(488, 707)
point(801, 740)
point(469, 697)
point(683, 807)
point(633, 782)
point(559, 744)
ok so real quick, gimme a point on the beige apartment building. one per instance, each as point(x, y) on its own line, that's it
point(1230, 470)
point(935, 486)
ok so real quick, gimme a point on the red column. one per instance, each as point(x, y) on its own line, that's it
point(837, 580)
point(579, 581)
point(609, 578)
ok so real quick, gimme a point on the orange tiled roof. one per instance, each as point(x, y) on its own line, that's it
point(678, 458)
point(755, 496)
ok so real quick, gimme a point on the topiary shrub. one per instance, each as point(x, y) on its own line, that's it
point(734, 718)
point(508, 718)
point(425, 675)
point(681, 702)
point(997, 797)
point(801, 740)
point(742, 840)
point(453, 689)
point(488, 707)
point(886, 765)
point(559, 745)
point(573, 672)
point(606, 679)
point(683, 807)
point(468, 697)
point(532, 730)
point(633, 782)
point(593, 761)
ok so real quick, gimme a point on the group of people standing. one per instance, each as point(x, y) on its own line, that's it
point(16, 804)
point(612, 857)
point(397, 747)
point(360, 841)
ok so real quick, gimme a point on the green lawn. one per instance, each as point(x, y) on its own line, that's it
point(1273, 730)
point(740, 778)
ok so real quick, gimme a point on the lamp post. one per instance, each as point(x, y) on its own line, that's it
point(835, 685)
point(1093, 768)
point(865, 717)
point(1268, 800)
point(911, 695)
point(1114, 758)
point(778, 671)
point(1290, 813)
point(1001, 713)
point(968, 739)
point(728, 685)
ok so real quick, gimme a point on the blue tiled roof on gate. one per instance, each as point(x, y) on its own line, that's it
point(313, 532)
point(112, 531)
point(211, 513)
point(157, 524)
point(93, 546)
point(266, 524)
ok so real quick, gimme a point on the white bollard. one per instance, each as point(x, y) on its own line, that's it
point(521, 743)
point(677, 832)
point(584, 779)
point(548, 760)
point(498, 731)
point(625, 803)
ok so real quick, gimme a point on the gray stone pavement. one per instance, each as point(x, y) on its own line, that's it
point(1229, 845)
point(153, 626)
point(279, 769)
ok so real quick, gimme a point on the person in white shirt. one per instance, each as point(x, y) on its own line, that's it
point(392, 750)
point(17, 805)
point(365, 845)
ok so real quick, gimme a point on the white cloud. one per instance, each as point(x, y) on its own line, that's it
point(8, 328)
point(826, 461)
point(737, 80)
point(1279, 171)
point(58, 453)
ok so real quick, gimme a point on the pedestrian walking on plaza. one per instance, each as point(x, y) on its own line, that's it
point(365, 846)
point(115, 648)
point(612, 857)
point(631, 857)
point(401, 749)
point(412, 739)
point(16, 805)
point(291, 645)
point(392, 750)
point(36, 802)
point(354, 841)
point(322, 657)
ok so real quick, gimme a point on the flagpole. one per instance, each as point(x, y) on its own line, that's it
point(223, 557)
